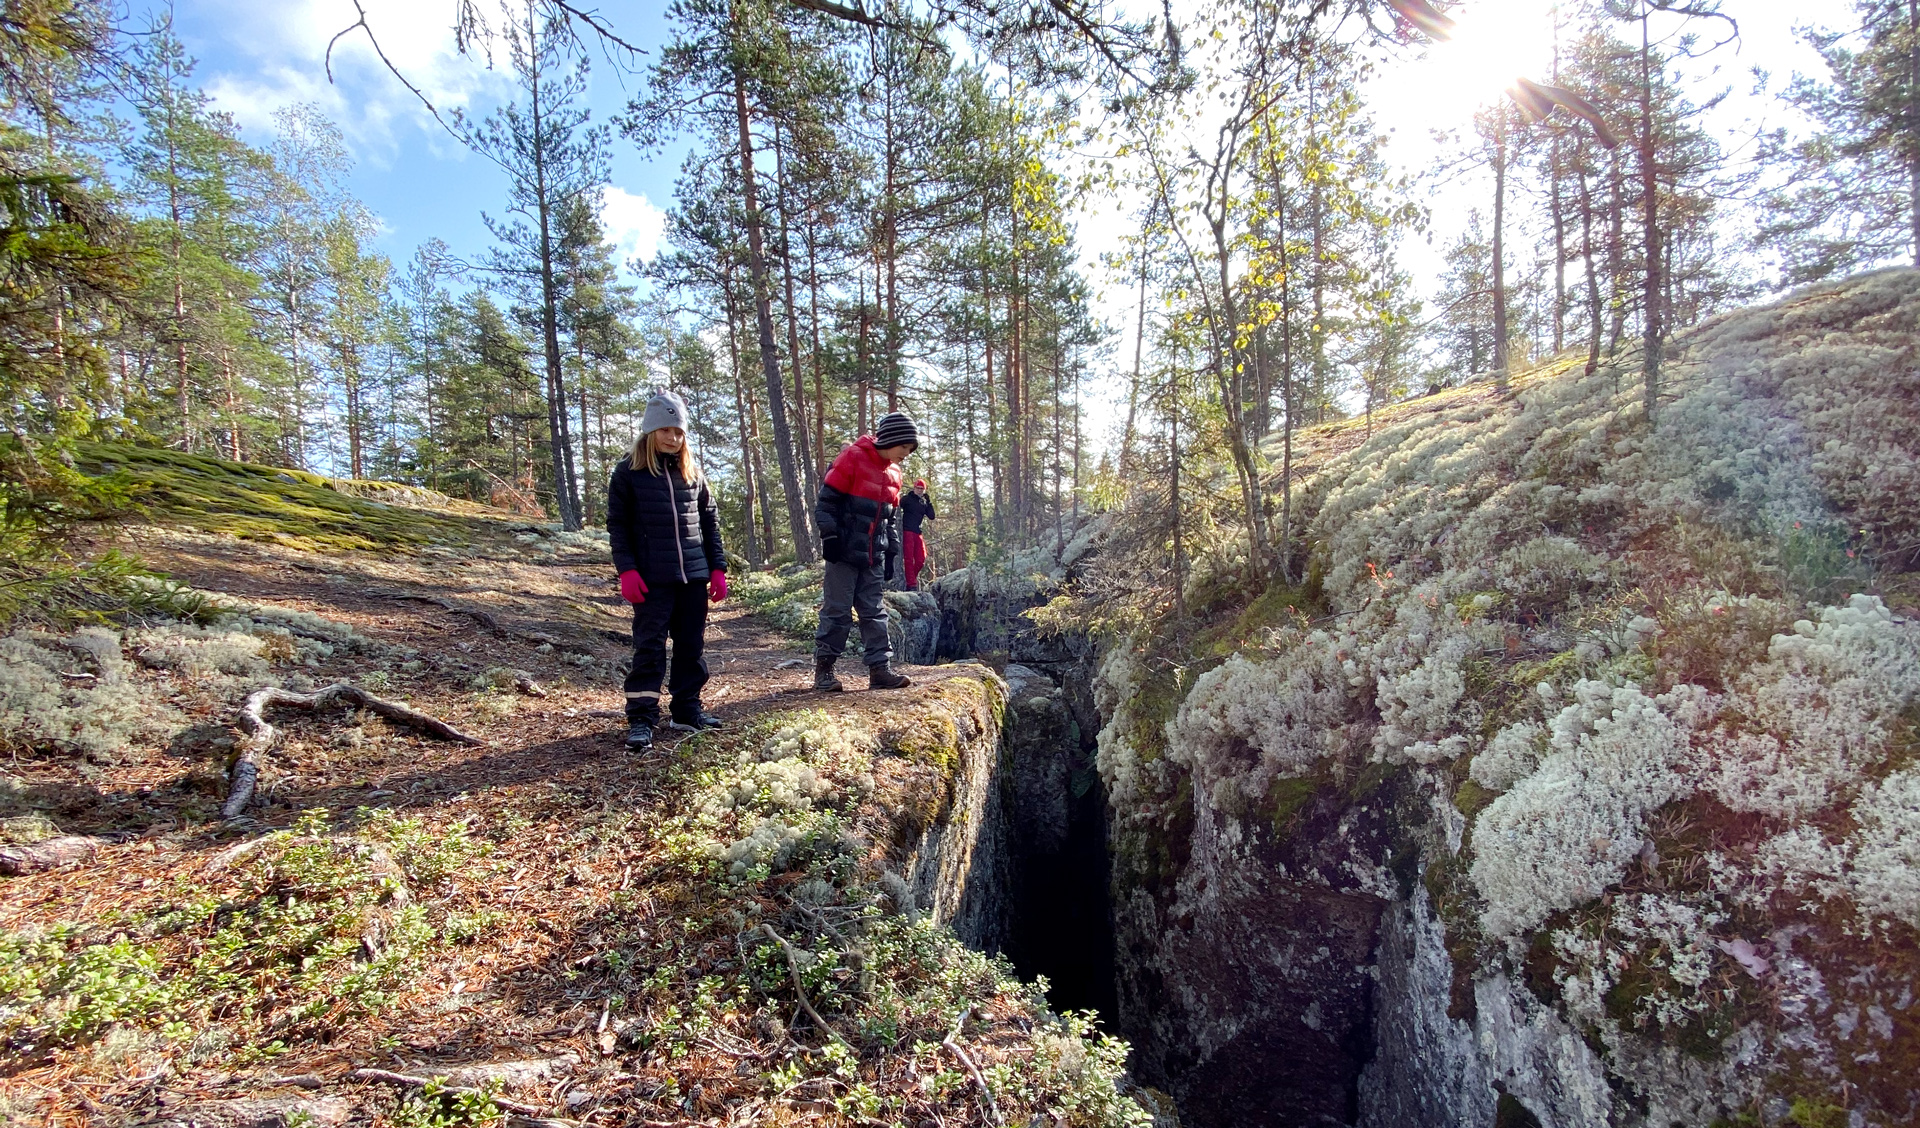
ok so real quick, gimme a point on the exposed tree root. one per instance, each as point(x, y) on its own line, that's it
point(47, 854)
point(257, 735)
point(410, 1081)
point(483, 618)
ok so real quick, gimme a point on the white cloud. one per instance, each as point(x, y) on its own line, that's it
point(284, 52)
point(634, 223)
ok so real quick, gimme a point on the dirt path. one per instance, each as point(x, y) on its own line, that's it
point(544, 833)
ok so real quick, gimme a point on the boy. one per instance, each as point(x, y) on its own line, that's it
point(855, 513)
point(915, 508)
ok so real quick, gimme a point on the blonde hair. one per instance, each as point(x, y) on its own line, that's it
point(647, 455)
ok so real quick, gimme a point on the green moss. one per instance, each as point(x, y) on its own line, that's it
point(1470, 798)
point(1541, 962)
point(282, 506)
point(1702, 1036)
point(790, 600)
point(931, 739)
point(1450, 890)
point(1809, 1113)
point(1285, 799)
point(1373, 776)
point(1561, 670)
point(1278, 606)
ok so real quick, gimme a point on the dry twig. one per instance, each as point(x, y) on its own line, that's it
point(257, 735)
point(793, 969)
point(993, 1107)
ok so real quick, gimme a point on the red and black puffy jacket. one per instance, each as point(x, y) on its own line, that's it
point(857, 505)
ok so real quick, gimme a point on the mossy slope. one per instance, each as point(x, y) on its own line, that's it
point(290, 507)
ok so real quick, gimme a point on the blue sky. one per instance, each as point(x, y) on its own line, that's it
point(255, 58)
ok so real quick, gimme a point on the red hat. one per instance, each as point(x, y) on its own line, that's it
point(919, 483)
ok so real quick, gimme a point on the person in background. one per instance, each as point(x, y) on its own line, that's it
point(855, 512)
point(665, 534)
point(914, 508)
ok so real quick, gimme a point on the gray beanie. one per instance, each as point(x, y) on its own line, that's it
point(664, 410)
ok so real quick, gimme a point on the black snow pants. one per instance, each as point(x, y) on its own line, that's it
point(677, 611)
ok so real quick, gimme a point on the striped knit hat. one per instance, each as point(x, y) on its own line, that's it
point(895, 427)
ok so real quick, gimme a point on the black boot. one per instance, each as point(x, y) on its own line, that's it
point(880, 675)
point(823, 679)
point(695, 721)
point(639, 737)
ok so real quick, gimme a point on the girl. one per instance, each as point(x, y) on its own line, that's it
point(665, 534)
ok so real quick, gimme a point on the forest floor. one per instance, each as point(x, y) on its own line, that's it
point(516, 916)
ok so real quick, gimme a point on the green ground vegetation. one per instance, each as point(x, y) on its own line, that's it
point(283, 506)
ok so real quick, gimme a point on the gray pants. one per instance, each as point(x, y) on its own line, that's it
point(849, 588)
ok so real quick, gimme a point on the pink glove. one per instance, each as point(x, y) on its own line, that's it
point(717, 587)
point(633, 589)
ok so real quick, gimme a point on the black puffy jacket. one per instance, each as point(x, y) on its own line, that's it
point(663, 526)
point(865, 530)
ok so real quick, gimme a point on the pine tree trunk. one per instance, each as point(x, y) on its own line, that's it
point(820, 458)
point(1499, 250)
point(233, 404)
point(797, 522)
point(1913, 122)
point(586, 457)
point(1286, 386)
point(566, 492)
point(993, 408)
point(1139, 353)
point(861, 356)
point(1229, 369)
point(890, 245)
point(1559, 251)
point(804, 441)
point(350, 377)
point(1059, 501)
point(1616, 254)
point(1592, 271)
point(1173, 499)
point(179, 299)
point(973, 467)
point(742, 417)
point(1649, 206)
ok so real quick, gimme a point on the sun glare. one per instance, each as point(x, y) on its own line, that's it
point(1494, 42)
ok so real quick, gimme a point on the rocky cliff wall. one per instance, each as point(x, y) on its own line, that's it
point(1578, 786)
point(938, 818)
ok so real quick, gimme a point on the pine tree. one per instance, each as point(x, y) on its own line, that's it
point(191, 173)
point(553, 157)
point(1851, 196)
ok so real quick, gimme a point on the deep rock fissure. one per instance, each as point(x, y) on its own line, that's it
point(1060, 920)
point(1248, 984)
point(1269, 1016)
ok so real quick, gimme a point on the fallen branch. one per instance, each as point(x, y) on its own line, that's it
point(257, 735)
point(793, 969)
point(46, 854)
point(411, 1081)
point(993, 1107)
